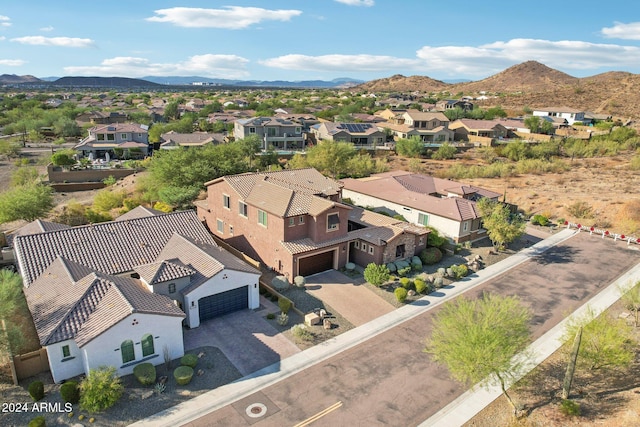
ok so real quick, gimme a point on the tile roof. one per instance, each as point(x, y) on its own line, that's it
point(139, 212)
point(164, 271)
point(71, 301)
point(35, 227)
point(110, 247)
point(118, 127)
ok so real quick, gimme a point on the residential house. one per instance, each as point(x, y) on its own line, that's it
point(118, 293)
point(483, 132)
point(274, 132)
point(571, 115)
point(172, 139)
point(306, 120)
point(294, 222)
point(359, 134)
point(131, 140)
point(429, 126)
point(448, 206)
point(452, 104)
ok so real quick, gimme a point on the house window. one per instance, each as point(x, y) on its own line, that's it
point(126, 348)
point(371, 249)
point(333, 222)
point(100, 137)
point(147, 345)
point(298, 130)
point(423, 219)
point(363, 247)
point(226, 201)
point(292, 222)
point(172, 288)
point(65, 351)
point(356, 244)
point(242, 209)
point(220, 226)
point(252, 130)
point(271, 131)
point(400, 251)
point(465, 226)
point(139, 135)
point(301, 220)
point(262, 217)
point(111, 137)
point(421, 241)
point(123, 136)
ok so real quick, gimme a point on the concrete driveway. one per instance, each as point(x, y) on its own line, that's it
point(354, 301)
point(245, 338)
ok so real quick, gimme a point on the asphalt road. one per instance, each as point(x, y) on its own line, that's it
point(389, 381)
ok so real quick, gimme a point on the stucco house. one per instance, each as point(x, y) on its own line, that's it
point(359, 134)
point(132, 139)
point(119, 293)
point(571, 115)
point(294, 222)
point(480, 131)
point(274, 132)
point(172, 140)
point(429, 126)
point(447, 206)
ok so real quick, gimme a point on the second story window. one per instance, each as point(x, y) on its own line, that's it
point(262, 217)
point(124, 136)
point(271, 131)
point(172, 288)
point(220, 226)
point(298, 130)
point(242, 209)
point(292, 222)
point(100, 137)
point(111, 137)
point(301, 219)
point(252, 130)
point(226, 201)
point(333, 222)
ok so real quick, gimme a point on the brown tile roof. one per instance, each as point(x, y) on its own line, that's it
point(66, 304)
point(110, 247)
point(164, 271)
point(118, 127)
point(425, 115)
point(35, 227)
point(139, 212)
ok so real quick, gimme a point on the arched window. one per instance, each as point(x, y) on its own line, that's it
point(128, 354)
point(147, 345)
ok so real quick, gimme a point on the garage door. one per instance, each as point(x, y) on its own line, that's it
point(315, 263)
point(223, 303)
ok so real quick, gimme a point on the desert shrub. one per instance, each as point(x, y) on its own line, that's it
point(70, 392)
point(284, 304)
point(431, 256)
point(301, 333)
point(401, 294)
point(392, 267)
point(435, 239)
point(36, 390)
point(109, 181)
point(459, 271)
point(183, 374)
point(449, 272)
point(145, 373)
point(300, 281)
point(580, 209)
point(38, 421)
point(420, 285)
point(190, 360)
point(100, 390)
point(538, 219)
point(438, 282)
point(162, 206)
point(570, 408)
point(376, 274)
point(634, 164)
point(444, 152)
point(406, 282)
point(283, 319)
point(404, 271)
point(105, 200)
point(271, 316)
point(416, 263)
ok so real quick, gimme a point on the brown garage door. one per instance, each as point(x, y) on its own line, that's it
point(316, 263)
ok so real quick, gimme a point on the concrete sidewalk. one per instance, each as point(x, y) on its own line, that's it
point(226, 395)
point(465, 407)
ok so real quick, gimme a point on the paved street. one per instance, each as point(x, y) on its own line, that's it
point(388, 380)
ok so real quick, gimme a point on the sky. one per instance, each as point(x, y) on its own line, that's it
point(315, 39)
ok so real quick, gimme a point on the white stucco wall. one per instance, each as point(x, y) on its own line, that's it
point(64, 368)
point(215, 285)
point(447, 227)
point(105, 349)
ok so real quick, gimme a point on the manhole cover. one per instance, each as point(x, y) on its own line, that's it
point(256, 410)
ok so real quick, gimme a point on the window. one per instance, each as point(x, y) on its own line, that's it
point(423, 219)
point(139, 135)
point(172, 288)
point(242, 208)
point(226, 201)
point(292, 222)
point(111, 137)
point(298, 130)
point(65, 351)
point(271, 131)
point(220, 226)
point(262, 217)
point(371, 249)
point(252, 130)
point(301, 220)
point(123, 136)
point(465, 226)
point(100, 137)
point(356, 244)
point(363, 247)
point(421, 241)
point(400, 251)
point(333, 222)
point(126, 348)
point(147, 345)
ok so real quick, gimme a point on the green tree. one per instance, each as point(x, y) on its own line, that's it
point(410, 147)
point(445, 151)
point(171, 111)
point(376, 274)
point(631, 300)
point(516, 151)
point(63, 158)
point(477, 339)
point(9, 149)
point(331, 158)
point(11, 298)
point(105, 200)
point(25, 175)
point(532, 123)
point(28, 202)
point(100, 390)
point(502, 227)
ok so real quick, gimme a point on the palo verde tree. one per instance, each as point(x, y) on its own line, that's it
point(477, 339)
point(410, 147)
point(502, 226)
point(28, 202)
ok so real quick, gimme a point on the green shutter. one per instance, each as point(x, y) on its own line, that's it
point(126, 348)
point(147, 345)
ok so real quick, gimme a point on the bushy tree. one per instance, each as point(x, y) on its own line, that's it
point(28, 202)
point(410, 147)
point(477, 339)
point(376, 274)
point(444, 152)
point(100, 390)
point(11, 298)
point(331, 158)
point(502, 227)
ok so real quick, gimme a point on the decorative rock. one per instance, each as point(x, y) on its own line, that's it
point(146, 394)
point(322, 313)
point(326, 323)
point(311, 319)
point(411, 292)
point(280, 283)
point(349, 266)
point(200, 355)
point(299, 281)
point(184, 393)
point(200, 372)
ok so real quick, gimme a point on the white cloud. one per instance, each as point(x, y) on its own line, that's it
point(4, 21)
point(2, 38)
point(629, 31)
point(339, 62)
point(55, 41)
point(357, 2)
point(47, 29)
point(12, 62)
point(230, 17)
point(208, 65)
